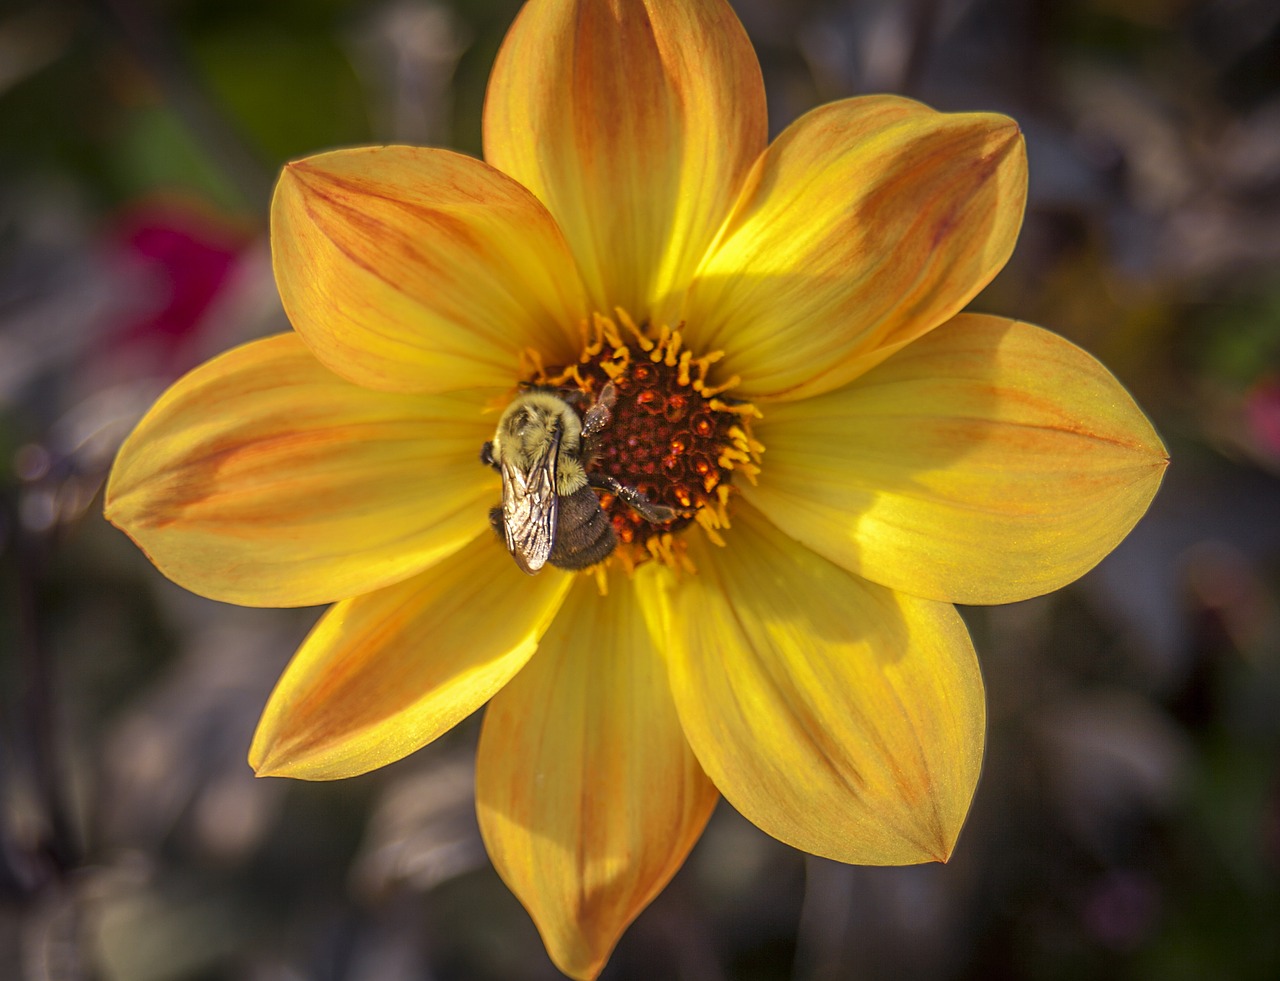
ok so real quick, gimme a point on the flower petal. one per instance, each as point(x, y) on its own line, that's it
point(635, 123)
point(988, 462)
point(419, 270)
point(262, 478)
point(588, 796)
point(866, 224)
point(384, 674)
point(838, 716)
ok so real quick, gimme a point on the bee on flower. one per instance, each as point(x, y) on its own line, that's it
point(734, 419)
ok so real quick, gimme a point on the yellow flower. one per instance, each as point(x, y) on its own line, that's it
point(848, 455)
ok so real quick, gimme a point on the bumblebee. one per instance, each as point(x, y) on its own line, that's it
point(550, 511)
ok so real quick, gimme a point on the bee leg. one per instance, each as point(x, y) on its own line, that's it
point(486, 456)
point(496, 521)
point(641, 505)
point(598, 415)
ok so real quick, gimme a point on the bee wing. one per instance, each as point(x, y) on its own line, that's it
point(530, 508)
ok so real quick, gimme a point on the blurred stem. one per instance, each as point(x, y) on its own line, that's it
point(924, 17)
point(13, 881)
point(39, 701)
point(1041, 22)
point(157, 49)
point(824, 920)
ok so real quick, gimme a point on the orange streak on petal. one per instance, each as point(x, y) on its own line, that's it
point(988, 462)
point(588, 796)
point(635, 123)
point(385, 673)
point(263, 478)
point(866, 224)
point(420, 270)
point(840, 717)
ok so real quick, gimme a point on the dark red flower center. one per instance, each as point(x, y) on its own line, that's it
point(673, 436)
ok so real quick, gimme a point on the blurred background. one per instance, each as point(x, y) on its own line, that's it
point(1128, 820)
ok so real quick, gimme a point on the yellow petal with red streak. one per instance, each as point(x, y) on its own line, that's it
point(838, 716)
point(988, 462)
point(635, 123)
point(866, 224)
point(421, 270)
point(264, 479)
point(588, 796)
point(384, 674)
